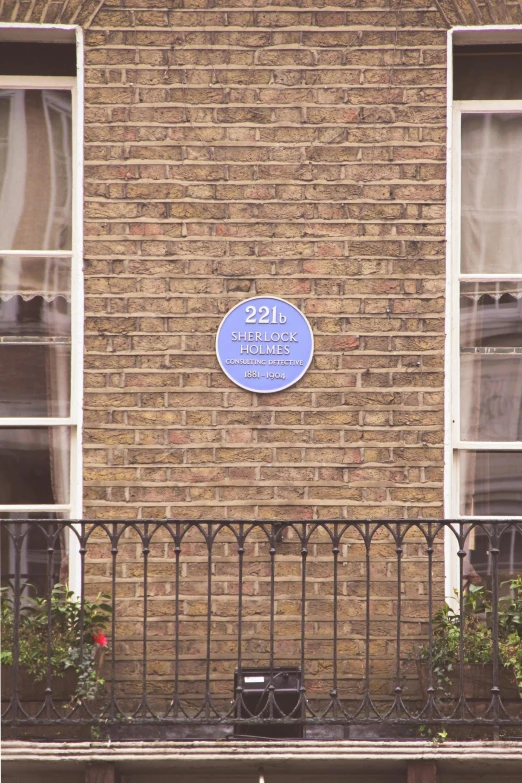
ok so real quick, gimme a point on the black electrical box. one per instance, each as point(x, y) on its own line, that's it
point(256, 682)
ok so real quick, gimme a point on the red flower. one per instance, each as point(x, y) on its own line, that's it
point(99, 638)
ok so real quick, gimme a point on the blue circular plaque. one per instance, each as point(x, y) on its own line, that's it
point(264, 344)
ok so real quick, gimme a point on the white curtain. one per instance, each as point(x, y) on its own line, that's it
point(35, 214)
point(491, 397)
point(13, 163)
point(491, 193)
point(30, 276)
point(491, 313)
point(35, 170)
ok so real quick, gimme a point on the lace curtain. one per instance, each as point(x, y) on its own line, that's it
point(491, 193)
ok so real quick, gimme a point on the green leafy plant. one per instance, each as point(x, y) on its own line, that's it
point(475, 624)
point(54, 634)
point(510, 630)
point(441, 736)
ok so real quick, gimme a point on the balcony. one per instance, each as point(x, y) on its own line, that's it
point(315, 630)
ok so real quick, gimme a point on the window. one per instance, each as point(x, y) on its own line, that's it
point(484, 371)
point(490, 308)
point(41, 303)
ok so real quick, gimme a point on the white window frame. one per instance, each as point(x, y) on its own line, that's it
point(51, 34)
point(453, 445)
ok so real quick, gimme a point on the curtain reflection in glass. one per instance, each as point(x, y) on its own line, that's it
point(491, 361)
point(491, 390)
point(34, 555)
point(491, 483)
point(35, 169)
point(35, 336)
point(491, 233)
point(33, 276)
point(34, 465)
point(509, 558)
point(34, 380)
point(491, 314)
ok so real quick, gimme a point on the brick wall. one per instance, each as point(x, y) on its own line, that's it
point(234, 151)
point(231, 152)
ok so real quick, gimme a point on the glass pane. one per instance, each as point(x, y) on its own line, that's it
point(491, 361)
point(509, 558)
point(486, 75)
point(5, 116)
point(35, 379)
point(491, 314)
point(35, 296)
point(491, 397)
point(490, 483)
point(34, 557)
point(34, 465)
point(35, 169)
point(491, 193)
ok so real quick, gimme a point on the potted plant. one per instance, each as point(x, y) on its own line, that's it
point(475, 622)
point(72, 653)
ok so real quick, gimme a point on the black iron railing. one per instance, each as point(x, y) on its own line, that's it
point(270, 629)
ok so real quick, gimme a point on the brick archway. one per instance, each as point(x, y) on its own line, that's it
point(480, 12)
point(80, 12)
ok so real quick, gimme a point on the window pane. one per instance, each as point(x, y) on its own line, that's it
point(34, 465)
point(35, 325)
point(487, 73)
point(35, 169)
point(27, 58)
point(491, 361)
point(5, 116)
point(491, 193)
point(35, 380)
point(35, 296)
point(34, 557)
point(490, 483)
point(509, 558)
point(490, 397)
point(491, 314)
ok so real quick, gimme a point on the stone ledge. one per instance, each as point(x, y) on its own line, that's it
point(500, 757)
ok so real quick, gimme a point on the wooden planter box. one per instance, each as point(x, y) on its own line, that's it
point(29, 690)
point(478, 681)
point(32, 699)
point(63, 688)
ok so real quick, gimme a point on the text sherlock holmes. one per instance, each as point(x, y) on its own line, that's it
point(290, 349)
